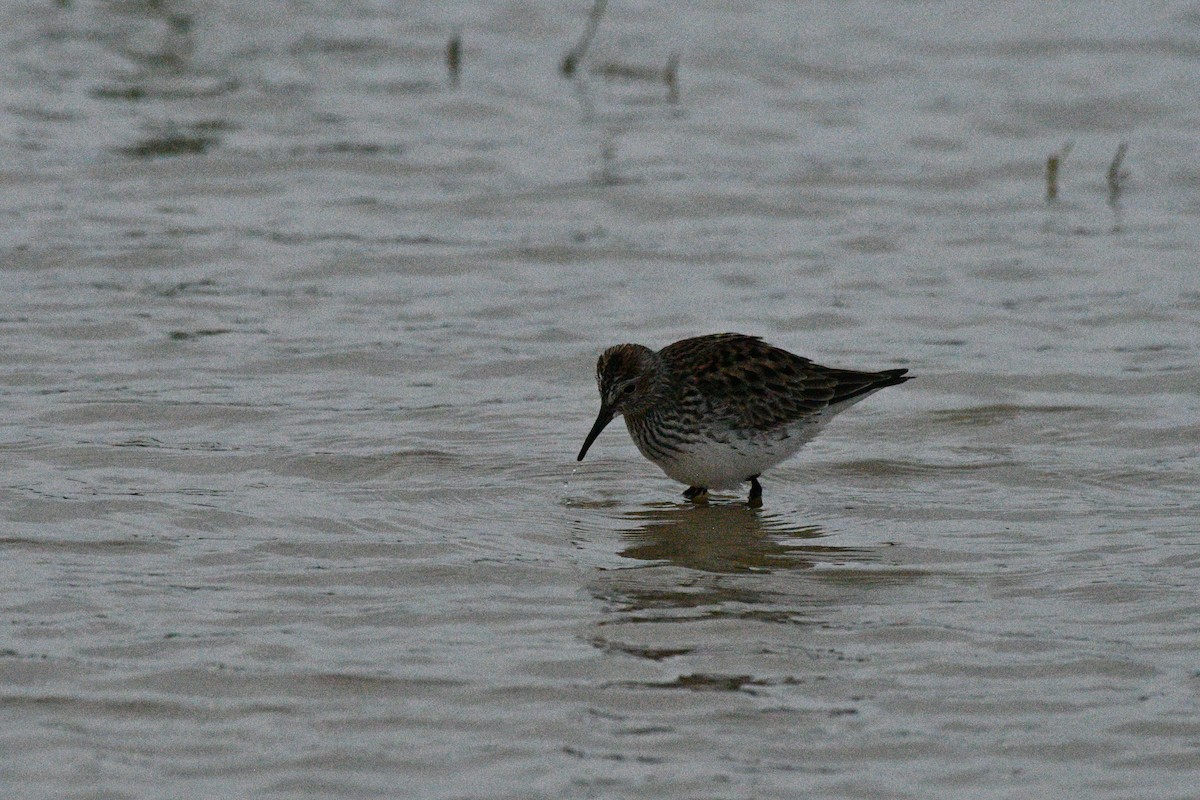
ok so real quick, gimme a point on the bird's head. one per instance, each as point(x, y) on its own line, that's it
point(629, 376)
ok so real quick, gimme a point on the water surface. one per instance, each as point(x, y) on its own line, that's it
point(298, 353)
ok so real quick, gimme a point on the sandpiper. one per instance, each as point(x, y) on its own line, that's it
point(716, 411)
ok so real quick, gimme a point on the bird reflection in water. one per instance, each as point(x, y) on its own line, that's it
point(728, 539)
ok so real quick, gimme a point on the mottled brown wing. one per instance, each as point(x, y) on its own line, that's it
point(759, 386)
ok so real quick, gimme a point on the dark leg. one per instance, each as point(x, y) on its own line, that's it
point(755, 489)
point(692, 492)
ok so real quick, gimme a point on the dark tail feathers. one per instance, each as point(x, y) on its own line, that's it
point(858, 384)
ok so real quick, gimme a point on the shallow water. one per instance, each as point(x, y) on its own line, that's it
point(298, 354)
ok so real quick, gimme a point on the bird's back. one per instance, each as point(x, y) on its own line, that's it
point(752, 386)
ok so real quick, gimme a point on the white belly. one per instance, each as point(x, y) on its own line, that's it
point(716, 464)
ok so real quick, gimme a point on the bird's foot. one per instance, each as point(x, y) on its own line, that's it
point(693, 492)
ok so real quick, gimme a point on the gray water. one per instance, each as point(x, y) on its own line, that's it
point(298, 350)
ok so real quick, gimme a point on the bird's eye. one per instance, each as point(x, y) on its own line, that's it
point(628, 389)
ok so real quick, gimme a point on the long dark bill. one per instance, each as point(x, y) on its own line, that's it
point(605, 417)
